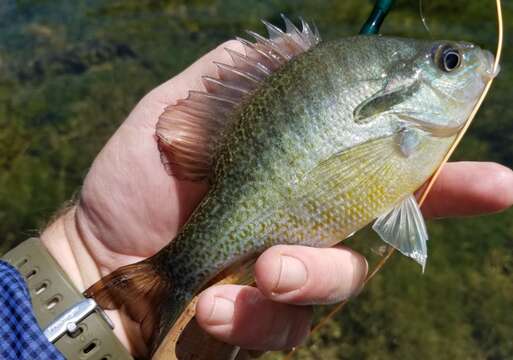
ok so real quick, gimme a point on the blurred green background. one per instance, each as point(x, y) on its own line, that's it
point(70, 72)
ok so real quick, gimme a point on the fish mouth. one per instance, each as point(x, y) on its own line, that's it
point(487, 68)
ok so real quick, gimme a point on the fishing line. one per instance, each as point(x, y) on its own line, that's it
point(429, 186)
point(423, 17)
point(498, 55)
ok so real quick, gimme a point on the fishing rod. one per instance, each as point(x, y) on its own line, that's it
point(376, 18)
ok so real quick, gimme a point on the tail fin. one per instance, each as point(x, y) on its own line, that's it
point(140, 290)
point(149, 298)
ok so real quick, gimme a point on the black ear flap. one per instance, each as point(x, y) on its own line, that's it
point(383, 102)
point(395, 100)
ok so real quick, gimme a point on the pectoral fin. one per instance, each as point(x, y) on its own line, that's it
point(408, 140)
point(345, 171)
point(404, 229)
point(343, 180)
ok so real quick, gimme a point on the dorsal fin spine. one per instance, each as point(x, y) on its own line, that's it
point(273, 31)
point(225, 89)
point(236, 71)
point(290, 28)
point(273, 49)
point(240, 60)
point(198, 95)
point(272, 62)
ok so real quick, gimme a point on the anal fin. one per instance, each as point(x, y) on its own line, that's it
point(404, 229)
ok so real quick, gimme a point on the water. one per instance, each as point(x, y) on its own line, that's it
point(70, 71)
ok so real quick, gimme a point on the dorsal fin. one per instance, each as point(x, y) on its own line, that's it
point(189, 131)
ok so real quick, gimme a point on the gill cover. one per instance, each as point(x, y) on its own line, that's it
point(434, 91)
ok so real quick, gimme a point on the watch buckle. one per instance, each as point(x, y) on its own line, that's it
point(67, 322)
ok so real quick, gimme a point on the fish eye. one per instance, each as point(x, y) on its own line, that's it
point(448, 58)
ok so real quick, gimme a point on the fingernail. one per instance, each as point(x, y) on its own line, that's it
point(292, 275)
point(364, 270)
point(222, 311)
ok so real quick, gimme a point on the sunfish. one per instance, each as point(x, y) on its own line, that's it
point(303, 142)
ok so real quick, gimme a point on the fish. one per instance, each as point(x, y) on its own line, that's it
point(302, 142)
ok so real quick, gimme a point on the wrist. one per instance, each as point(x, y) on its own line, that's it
point(68, 247)
point(64, 243)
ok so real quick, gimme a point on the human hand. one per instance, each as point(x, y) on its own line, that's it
point(130, 208)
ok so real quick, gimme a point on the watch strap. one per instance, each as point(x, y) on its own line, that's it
point(75, 325)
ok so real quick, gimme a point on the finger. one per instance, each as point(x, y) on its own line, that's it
point(153, 104)
point(304, 275)
point(243, 316)
point(470, 188)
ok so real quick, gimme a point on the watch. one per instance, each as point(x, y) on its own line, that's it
point(76, 325)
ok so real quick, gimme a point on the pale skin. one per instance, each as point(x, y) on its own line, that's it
point(130, 208)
